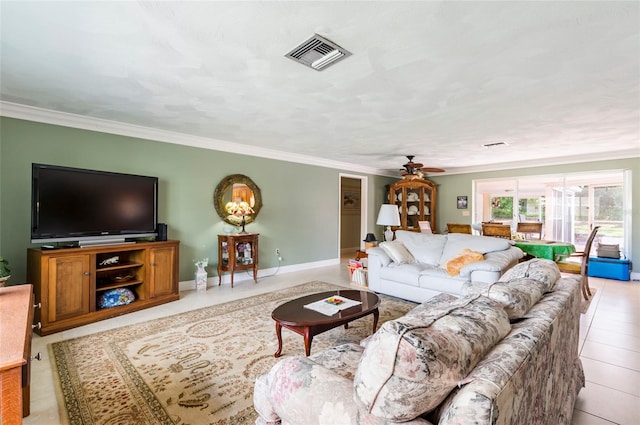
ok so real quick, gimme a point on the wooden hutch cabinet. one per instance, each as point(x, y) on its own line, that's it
point(416, 201)
point(69, 282)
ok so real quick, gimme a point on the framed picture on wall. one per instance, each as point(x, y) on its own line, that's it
point(462, 202)
point(351, 202)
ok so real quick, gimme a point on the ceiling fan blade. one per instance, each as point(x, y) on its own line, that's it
point(432, 170)
point(412, 165)
point(413, 168)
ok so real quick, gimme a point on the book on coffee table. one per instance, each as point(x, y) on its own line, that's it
point(332, 305)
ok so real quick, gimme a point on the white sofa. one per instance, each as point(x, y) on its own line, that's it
point(424, 277)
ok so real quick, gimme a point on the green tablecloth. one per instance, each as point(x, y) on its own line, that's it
point(546, 249)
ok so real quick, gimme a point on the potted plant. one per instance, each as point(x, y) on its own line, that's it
point(5, 271)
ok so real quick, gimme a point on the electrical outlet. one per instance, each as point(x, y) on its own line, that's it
point(278, 252)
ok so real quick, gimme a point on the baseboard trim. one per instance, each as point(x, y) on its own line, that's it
point(242, 275)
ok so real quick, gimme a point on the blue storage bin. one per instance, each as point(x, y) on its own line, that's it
point(609, 268)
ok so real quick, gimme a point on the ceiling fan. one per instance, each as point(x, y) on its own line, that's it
point(417, 169)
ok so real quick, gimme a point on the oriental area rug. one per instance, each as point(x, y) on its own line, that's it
point(192, 368)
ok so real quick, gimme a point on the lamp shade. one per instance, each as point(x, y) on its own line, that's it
point(388, 215)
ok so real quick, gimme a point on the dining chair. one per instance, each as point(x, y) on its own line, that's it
point(458, 228)
point(425, 227)
point(496, 230)
point(529, 228)
point(578, 263)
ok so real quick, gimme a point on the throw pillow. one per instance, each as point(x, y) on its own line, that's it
point(456, 242)
point(545, 271)
point(516, 296)
point(410, 364)
point(425, 248)
point(455, 264)
point(397, 252)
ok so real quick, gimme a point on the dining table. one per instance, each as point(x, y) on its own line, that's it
point(545, 249)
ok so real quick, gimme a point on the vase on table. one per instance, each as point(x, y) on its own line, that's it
point(201, 280)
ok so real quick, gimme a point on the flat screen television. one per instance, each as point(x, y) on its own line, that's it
point(91, 207)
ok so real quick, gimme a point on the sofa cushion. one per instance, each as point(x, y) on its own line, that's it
point(283, 396)
point(456, 242)
point(516, 296)
point(545, 271)
point(410, 365)
point(408, 274)
point(424, 247)
point(397, 252)
point(342, 360)
point(466, 256)
point(438, 279)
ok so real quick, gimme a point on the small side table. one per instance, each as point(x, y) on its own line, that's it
point(361, 254)
point(237, 252)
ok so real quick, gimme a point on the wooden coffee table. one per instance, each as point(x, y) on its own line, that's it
point(308, 323)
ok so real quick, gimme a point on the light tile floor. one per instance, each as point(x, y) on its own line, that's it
point(610, 354)
point(609, 344)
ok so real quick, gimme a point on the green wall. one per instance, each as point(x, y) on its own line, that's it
point(301, 202)
point(299, 216)
point(450, 187)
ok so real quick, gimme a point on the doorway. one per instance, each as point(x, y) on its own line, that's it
point(352, 213)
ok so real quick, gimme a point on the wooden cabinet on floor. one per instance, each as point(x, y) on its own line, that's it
point(416, 201)
point(237, 252)
point(69, 282)
point(16, 319)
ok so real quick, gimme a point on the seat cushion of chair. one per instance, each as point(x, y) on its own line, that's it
point(570, 266)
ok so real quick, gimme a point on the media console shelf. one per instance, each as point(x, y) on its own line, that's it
point(70, 281)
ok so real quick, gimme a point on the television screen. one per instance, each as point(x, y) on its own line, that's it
point(72, 204)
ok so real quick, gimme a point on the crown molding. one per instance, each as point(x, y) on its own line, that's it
point(47, 116)
point(560, 160)
point(31, 113)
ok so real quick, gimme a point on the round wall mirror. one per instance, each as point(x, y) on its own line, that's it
point(232, 197)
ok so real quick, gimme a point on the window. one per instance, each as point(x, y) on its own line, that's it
point(502, 208)
point(569, 205)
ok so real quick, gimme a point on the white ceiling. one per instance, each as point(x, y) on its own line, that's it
point(557, 80)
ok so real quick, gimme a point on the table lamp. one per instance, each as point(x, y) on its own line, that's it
point(388, 216)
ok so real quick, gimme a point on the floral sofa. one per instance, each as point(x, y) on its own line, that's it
point(501, 353)
point(414, 266)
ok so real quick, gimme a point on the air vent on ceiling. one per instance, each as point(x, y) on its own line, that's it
point(495, 145)
point(318, 53)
